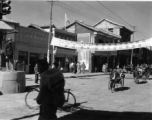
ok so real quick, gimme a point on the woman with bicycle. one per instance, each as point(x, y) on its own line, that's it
point(51, 93)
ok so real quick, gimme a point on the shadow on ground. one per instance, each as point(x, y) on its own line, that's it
point(82, 113)
point(28, 79)
point(85, 114)
point(1, 93)
point(24, 117)
point(65, 109)
point(142, 82)
point(121, 89)
point(86, 78)
point(28, 88)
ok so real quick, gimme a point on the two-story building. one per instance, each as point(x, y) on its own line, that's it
point(31, 44)
point(62, 55)
point(91, 35)
point(123, 57)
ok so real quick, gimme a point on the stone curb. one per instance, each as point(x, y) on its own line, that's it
point(77, 76)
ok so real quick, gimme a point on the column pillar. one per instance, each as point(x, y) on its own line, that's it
point(90, 62)
point(114, 61)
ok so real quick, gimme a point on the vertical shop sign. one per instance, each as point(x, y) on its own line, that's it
point(92, 39)
point(83, 56)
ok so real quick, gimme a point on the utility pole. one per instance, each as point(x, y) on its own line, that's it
point(132, 51)
point(50, 36)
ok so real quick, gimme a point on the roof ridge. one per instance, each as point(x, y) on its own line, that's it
point(9, 20)
point(108, 21)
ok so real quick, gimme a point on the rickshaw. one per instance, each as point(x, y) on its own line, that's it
point(116, 79)
point(141, 73)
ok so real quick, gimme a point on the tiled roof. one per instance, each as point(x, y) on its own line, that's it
point(36, 26)
point(95, 29)
point(5, 19)
point(108, 21)
point(47, 26)
point(122, 26)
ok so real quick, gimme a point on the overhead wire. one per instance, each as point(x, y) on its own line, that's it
point(134, 7)
point(99, 10)
point(88, 16)
point(121, 18)
point(75, 11)
point(35, 8)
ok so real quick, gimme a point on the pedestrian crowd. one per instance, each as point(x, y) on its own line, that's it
point(77, 67)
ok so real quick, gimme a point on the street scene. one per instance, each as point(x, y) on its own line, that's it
point(94, 100)
point(75, 60)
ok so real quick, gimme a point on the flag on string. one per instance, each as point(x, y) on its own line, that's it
point(66, 20)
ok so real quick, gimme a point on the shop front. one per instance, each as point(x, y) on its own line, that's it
point(65, 56)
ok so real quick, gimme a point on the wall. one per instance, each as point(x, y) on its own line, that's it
point(31, 41)
point(105, 25)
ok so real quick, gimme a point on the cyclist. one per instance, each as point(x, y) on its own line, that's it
point(51, 92)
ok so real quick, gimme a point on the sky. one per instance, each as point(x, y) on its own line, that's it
point(127, 13)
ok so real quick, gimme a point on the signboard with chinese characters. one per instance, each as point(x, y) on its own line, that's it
point(83, 56)
point(83, 38)
point(107, 53)
point(71, 29)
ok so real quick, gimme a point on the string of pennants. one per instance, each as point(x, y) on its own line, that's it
point(101, 47)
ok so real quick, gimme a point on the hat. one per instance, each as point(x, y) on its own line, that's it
point(9, 39)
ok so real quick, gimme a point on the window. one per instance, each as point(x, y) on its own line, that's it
point(110, 29)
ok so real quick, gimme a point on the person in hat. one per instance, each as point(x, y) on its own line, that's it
point(51, 95)
point(8, 50)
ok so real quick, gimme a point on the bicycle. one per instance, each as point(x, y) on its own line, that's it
point(70, 100)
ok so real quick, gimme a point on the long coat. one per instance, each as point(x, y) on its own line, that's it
point(8, 49)
point(45, 97)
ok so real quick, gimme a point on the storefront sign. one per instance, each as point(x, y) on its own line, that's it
point(83, 38)
point(83, 56)
point(107, 53)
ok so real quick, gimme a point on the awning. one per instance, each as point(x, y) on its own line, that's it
point(6, 28)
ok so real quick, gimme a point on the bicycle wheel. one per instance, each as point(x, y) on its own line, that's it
point(136, 80)
point(70, 100)
point(30, 99)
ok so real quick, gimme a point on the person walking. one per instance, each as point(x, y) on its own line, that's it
point(83, 67)
point(103, 68)
point(8, 51)
point(36, 74)
point(75, 68)
point(51, 95)
point(71, 67)
point(78, 67)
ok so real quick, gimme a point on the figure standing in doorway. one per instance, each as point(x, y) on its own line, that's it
point(36, 74)
point(103, 68)
point(83, 67)
point(8, 50)
point(78, 67)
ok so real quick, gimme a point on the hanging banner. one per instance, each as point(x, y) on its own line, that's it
point(101, 47)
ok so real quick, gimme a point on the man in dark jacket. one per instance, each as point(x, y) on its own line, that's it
point(8, 50)
point(51, 86)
